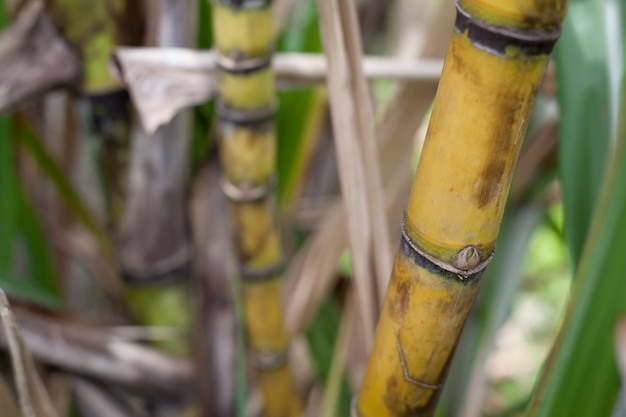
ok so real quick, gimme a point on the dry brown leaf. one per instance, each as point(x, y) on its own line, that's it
point(78, 242)
point(91, 400)
point(94, 352)
point(163, 81)
point(33, 398)
point(34, 58)
point(7, 402)
point(359, 171)
point(312, 272)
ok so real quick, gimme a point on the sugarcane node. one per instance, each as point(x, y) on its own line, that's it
point(245, 117)
point(424, 259)
point(251, 274)
point(267, 361)
point(227, 126)
point(407, 375)
point(173, 269)
point(238, 63)
point(497, 39)
point(247, 192)
point(467, 258)
point(244, 4)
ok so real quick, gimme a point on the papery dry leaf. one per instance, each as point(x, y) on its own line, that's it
point(163, 81)
point(91, 400)
point(33, 398)
point(34, 58)
point(312, 272)
point(7, 403)
point(91, 351)
point(359, 171)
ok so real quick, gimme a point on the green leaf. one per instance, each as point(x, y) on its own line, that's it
point(39, 260)
point(8, 184)
point(580, 376)
point(584, 100)
point(295, 107)
point(321, 336)
point(3, 15)
point(204, 38)
point(66, 191)
point(26, 267)
point(27, 290)
point(202, 114)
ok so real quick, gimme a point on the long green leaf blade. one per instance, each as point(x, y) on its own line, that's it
point(62, 184)
point(584, 101)
point(295, 107)
point(580, 377)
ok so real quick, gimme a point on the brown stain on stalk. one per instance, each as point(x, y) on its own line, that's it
point(400, 303)
point(395, 403)
point(493, 172)
point(550, 7)
point(390, 398)
point(460, 65)
point(545, 13)
point(491, 177)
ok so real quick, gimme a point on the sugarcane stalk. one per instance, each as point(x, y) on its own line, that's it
point(154, 243)
point(94, 28)
point(244, 41)
point(495, 62)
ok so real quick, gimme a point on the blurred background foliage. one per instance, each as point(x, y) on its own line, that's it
point(531, 346)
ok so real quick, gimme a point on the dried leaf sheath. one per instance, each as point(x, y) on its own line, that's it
point(486, 93)
point(244, 41)
point(153, 238)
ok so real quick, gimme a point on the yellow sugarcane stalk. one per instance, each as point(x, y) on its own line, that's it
point(495, 63)
point(244, 41)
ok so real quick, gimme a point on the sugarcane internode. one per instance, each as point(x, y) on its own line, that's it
point(246, 107)
point(495, 62)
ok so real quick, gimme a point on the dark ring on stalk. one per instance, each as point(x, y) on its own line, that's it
point(244, 117)
point(463, 275)
point(245, 4)
point(239, 194)
point(268, 273)
point(234, 65)
point(268, 361)
point(532, 41)
point(175, 268)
